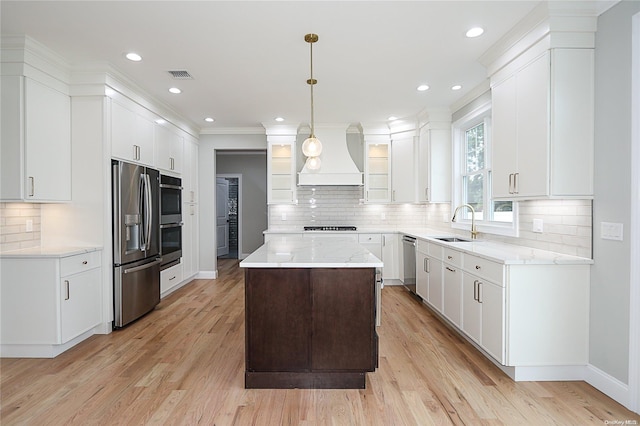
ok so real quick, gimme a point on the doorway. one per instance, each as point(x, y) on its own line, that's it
point(228, 216)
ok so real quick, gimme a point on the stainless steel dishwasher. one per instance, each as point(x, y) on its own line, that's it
point(409, 262)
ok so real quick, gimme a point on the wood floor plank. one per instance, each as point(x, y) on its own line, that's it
point(183, 364)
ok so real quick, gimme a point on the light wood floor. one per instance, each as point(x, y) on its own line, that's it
point(184, 364)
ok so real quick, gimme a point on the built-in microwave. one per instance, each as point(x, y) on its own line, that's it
point(170, 199)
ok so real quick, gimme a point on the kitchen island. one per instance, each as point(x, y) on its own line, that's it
point(310, 314)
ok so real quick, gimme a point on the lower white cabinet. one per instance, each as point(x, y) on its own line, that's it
point(390, 254)
point(190, 240)
point(532, 318)
point(49, 301)
point(170, 278)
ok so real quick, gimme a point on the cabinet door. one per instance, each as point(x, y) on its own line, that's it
point(123, 132)
point(533, 128)
point(403, 176)
point(390, 257)
point(144, 139)
point(434, 168)
point(268, 293)
point(452, 294)
point(435, 283)
point(190, 172)
point(80, 303)
point(343, 297)
point(422, 276)
point(377, 177)
point(170, 277)
point(471, 307)
point(190, 239)
point(492, 300)
point(47, 136)
point(168, 149)
point(504, 152)
point(281, 177)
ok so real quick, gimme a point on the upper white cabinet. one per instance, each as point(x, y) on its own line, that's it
point(36, 142)
point(433, 183)
point(190, 229)
point(281, 170)
point(403, 158)
point(168, 148)
point(131, 134)
point(542, 118)
point(377, 171)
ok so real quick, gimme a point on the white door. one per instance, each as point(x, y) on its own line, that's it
point(222, 215)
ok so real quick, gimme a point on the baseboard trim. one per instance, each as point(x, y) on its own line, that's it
point(608, 385)
point(207, 275)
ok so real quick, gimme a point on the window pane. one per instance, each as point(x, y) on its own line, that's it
point(503, 211)
point(474, 143)
point(473, 195)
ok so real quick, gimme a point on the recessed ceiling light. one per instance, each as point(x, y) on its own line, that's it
point(209, 120)
point(279, 119)
point(456, 87)
point(132, 56)
point(160, 121)
point(474, 32)
point(175, 90)
point(392, 118)
point(422, 88)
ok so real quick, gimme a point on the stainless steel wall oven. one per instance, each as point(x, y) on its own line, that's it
point(170, 220)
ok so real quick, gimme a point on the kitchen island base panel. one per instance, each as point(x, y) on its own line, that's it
point(310, 327)
point(300, 380)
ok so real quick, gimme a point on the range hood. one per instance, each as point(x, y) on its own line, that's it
point(337, 166)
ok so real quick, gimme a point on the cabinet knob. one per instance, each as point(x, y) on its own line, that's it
point(84, 262)
point(449, 257)
point(478, 267)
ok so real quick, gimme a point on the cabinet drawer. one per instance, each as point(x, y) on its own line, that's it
point(492, 271)
point(452, 257)
point(79, 263)
point(170, 277)
point(370, 238)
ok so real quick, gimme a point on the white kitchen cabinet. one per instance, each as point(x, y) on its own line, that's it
point(403, 158)
point(281, 170)
point(372, 242)
point(429, 278)
point(377, 172)
point(190, 171)
point(132, 135)
point(36, 142)
point(452, 293)
point(170, 278)
point(190, 240)
point(433, 183)
point(49, 303)
point(542, 115)
point(168, 148)
point(390, 256)
point(422, 271)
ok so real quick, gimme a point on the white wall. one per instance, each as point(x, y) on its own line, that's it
point(610, 277)
point(207, 177)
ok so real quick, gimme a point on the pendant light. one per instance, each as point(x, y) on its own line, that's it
point(312, 147)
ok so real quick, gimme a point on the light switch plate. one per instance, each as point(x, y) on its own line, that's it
point(611, 231)
point(29, 225)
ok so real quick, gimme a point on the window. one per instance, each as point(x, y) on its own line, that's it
point(472, 177)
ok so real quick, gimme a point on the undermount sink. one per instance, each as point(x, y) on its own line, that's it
point(453, 239)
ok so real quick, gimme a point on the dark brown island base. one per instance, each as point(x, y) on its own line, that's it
point(310, 327)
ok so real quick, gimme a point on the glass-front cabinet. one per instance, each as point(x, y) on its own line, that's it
point(281, 170)
point(377, 178)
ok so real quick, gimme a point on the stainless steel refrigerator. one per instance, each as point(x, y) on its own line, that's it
point(136, 241)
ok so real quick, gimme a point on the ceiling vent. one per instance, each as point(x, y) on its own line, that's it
point(181, 75)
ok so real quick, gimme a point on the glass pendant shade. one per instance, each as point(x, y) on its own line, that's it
point(312, 147)
point(313, 163)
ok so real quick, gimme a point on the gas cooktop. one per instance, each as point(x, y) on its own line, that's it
point(330, 228)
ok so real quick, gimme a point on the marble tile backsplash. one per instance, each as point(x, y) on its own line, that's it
point(567, 224)
point(13, 226)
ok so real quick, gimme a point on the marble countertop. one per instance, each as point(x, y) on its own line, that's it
point(39, 252)
point(508, 254)
point(326, 252)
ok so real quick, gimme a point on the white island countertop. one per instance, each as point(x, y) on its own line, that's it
point(298, 252)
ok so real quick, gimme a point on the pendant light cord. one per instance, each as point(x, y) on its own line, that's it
point(312, 83)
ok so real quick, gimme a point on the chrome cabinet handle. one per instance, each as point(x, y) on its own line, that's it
point(84, 262)
point(510, 183)
point(478, 267)
point(450, 270)
point(516, 190)
point(67, 295)
point(393, 196)
point(33, 186)
point(479, 291)
point(426, 193)
point(475, 289)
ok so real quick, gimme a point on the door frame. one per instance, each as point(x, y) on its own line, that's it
point(240, 203)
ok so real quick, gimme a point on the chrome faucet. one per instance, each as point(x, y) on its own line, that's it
point(474, 231)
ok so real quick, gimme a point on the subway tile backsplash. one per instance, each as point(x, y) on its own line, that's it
point(567, 224)
point(13, 226)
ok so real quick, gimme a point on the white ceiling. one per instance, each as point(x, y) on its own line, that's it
point(250, 62)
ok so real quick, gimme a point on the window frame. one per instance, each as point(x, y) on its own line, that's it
point(481, 114)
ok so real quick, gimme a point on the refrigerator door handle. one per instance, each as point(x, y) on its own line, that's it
point(148, 211)
point(142, 267)
point(142, 238)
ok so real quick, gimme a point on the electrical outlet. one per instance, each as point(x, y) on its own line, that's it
point(284, 216)
point(611, 231)
point(537, 225)
point(29, 225)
